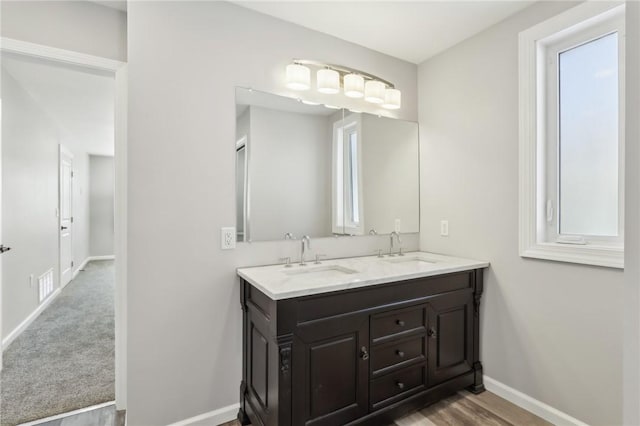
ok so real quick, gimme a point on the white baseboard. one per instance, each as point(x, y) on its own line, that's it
point(212, 418)
point(24, 324)
point(105, 257)
point(530, 404)
point(67, 414)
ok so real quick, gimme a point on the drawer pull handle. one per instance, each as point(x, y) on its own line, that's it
point(400, 323)
point(432, 333)
point(400, 353)
point(363, 353)
point(400, 385)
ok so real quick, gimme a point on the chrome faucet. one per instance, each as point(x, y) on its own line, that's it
point(289, 236)
point(397, 235)
point(306, 243)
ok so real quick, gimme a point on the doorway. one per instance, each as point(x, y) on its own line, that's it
point(66, 213)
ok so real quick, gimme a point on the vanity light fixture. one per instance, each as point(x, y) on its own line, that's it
point(355, 84)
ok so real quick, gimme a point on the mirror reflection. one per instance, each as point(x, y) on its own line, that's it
point(310, 170)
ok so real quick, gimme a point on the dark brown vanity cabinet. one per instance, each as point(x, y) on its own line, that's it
point(360, 356)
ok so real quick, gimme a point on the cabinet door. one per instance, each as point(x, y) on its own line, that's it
point(450, 336)
point(330, 368)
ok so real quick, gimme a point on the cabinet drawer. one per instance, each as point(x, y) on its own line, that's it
point(396, 354)
point(397, 323)
point(398, 385)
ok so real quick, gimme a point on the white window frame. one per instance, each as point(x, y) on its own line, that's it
point(534, 43)
point(342, 208)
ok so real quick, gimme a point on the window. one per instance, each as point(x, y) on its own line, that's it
point(572, 137)
point(347, 181)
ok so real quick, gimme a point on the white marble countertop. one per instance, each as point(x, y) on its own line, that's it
point(279, 282)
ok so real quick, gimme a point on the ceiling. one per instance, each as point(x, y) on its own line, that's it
point(80, 101)
point(413, 31)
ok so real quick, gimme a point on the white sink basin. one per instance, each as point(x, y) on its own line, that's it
point(408, 259)
point(326, 271)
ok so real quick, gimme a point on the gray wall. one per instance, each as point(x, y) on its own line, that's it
point(632, 220)
point(80, 26)
point(289, 174)
point(551, 330)
point(184, 341)
point(390, 174)
point(101, 197)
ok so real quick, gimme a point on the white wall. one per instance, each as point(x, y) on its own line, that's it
point(289, 174)
point(29, 199)
point(550, 330)
point(101, 198)
point(80, 26)
point(184, 334)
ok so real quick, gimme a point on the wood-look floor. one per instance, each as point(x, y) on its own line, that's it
point(467, 409)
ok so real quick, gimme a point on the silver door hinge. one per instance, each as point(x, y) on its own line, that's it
point(71, 219)
point(72, 173)
point(72, 263)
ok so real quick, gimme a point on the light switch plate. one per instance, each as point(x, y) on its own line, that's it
point(228, 238)
point(444, 228)
point(397, 225)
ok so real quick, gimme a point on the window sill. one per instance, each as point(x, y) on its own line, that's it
point(610, 257)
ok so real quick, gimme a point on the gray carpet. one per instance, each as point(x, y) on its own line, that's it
point(65, 359)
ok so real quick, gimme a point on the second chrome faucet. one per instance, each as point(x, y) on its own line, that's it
point(306, 244)
point(397, 236)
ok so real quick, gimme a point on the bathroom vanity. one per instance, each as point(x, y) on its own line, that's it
point(358, 341)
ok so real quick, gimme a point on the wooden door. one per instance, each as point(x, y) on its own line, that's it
point(330, 365)
point(449, 336)
point(66, 216)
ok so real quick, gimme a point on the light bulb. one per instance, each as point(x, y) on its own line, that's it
point(392, 99)
point(328, 81)
point(374, 91)
point(354, 85)
point(298, 77)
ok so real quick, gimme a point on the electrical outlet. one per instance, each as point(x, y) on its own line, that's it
point(444, 228)
point(228, 238)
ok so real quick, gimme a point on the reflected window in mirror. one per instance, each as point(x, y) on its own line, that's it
point(347, 182)
point(241, 188)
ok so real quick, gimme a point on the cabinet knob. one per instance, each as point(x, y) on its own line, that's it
point(400, 353)
point(400, 385)
point(363, 353)
point(432, 333)
point(400, 323)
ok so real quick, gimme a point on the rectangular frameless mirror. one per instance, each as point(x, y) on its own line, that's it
point(311, 170)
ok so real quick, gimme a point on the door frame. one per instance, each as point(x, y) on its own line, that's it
point(119, 69)
point(62, 150)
